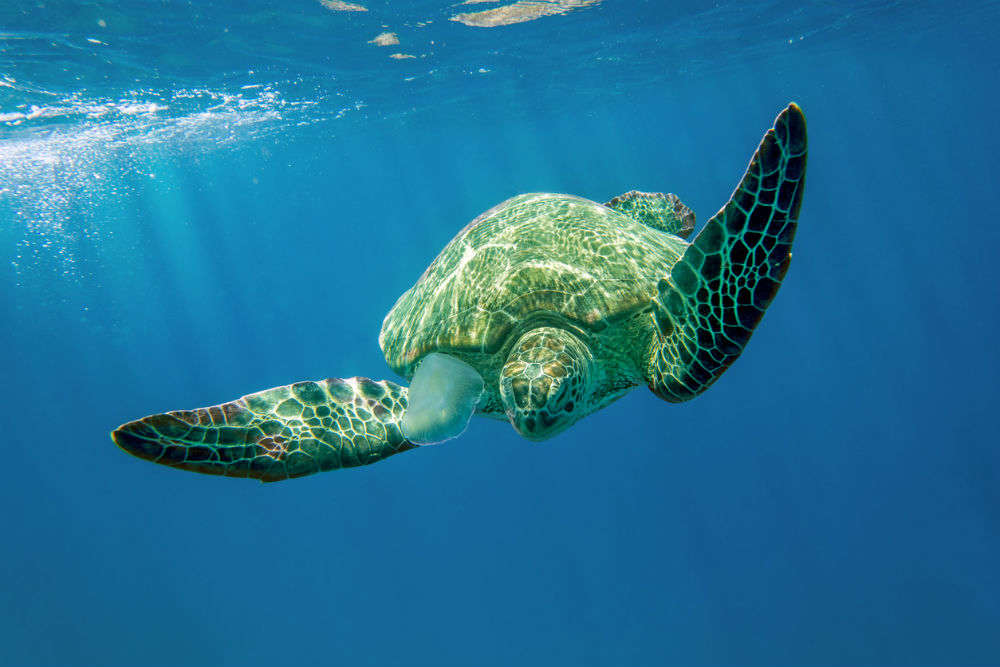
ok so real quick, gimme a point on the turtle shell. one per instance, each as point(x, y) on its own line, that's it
point(530, 261)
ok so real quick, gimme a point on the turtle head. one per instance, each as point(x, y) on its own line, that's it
point(544, 382)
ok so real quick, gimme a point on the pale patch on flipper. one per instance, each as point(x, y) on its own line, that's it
point(442, 399)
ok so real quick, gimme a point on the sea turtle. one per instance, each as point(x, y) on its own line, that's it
point(542, 310)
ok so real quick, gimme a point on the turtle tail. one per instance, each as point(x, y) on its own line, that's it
point(707, 308)
point(279, 433)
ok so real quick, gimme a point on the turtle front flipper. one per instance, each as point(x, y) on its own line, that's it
point(707, 308)
point(279, 433)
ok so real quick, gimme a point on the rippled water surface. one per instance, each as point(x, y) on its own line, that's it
point(203, 199)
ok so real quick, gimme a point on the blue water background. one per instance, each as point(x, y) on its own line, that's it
point(200, 200)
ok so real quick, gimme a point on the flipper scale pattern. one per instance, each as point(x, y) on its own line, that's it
point(707, 308)
point(279, 433)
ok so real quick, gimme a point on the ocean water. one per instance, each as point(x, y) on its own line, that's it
point(203, 199)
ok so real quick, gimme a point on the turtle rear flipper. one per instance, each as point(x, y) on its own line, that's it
point(278, 433)
point(707, 308)
point(660, 211)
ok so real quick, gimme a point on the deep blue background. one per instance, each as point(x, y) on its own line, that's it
point(832, 500)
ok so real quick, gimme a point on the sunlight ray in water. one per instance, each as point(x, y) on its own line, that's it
point(78, 150)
